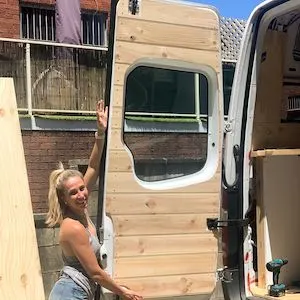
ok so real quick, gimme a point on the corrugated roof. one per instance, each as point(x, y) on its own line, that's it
point(231, 36)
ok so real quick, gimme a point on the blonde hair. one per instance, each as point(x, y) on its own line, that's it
point(56, 194)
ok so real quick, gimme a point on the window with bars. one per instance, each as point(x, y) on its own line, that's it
point(39, 24)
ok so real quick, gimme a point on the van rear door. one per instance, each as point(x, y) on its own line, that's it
point(163, 162)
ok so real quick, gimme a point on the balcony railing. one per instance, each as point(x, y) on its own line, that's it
point(54, 78)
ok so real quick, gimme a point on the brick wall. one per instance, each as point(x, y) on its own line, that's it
point(151, 145)
point(43, 150)
point(102, 5)
point(10, 13)
point(9, 19)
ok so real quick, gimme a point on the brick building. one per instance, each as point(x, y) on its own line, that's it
point(11, 12)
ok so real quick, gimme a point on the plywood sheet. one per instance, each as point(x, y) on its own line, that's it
point(20, 271)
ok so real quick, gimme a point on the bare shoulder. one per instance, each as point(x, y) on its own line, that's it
point(71, 230)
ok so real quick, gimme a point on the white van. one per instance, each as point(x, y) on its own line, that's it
point(170, 191)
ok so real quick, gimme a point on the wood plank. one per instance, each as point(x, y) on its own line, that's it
point(276, 135)
point(190, 37)
point(119, 74)
point(260, 224)
point(164, 244)
point(119, 161)
point(20, 270)
point(126, 225)
point(125, 182)
point(161, 286)
point(158, 203)
point(159, 265)
point(275, 152)
point(167, 12)
point(185, 297)
point(116, 118)
point(128, 53)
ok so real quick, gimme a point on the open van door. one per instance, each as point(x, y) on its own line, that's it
point(257, 128)
point(163, 158)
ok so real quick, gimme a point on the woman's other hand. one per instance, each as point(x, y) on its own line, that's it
point(102, 114)
point(130, 295)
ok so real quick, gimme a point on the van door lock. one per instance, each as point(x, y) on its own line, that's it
point(215, 223)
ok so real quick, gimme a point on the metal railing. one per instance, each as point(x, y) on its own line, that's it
point(52, 77)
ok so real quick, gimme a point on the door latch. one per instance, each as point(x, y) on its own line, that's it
point(224, 275)
point(214, 223)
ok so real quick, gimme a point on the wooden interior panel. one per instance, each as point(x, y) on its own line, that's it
point(183, 284)
point(167, 12)
point(161, 224)
point(159, 265)
point(126, 53)
point(20, 270)
point(119, 162)
point(194, 38)
point(140, 204)
point(117, 118)
point(117, 98)
point(119, 73)
point(125, 182)
point(268, 130)
point(278, 221)
point(162, 246)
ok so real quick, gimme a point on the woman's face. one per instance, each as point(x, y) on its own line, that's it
point(76, 194)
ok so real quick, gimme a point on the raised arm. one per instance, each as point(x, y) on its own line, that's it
point(92, 171)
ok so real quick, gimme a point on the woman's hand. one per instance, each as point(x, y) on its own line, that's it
point(130, 295)
point(102, 113)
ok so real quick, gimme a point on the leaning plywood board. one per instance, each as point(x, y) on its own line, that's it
point(20, 271)
point(162, 247)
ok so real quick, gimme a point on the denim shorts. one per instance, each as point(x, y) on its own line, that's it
point(66, 289)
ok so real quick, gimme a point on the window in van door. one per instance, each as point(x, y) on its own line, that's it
point(166, 122)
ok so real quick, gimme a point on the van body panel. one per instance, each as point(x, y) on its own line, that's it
point(161, 245)
point(258, 122)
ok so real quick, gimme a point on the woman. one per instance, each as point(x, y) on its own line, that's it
point(68, 198)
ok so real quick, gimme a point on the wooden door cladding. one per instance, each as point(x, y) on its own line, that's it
point(162, 246)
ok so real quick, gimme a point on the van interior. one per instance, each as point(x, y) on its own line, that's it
point(275, 184)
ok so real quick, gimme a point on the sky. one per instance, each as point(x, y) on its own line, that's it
point(239, 9)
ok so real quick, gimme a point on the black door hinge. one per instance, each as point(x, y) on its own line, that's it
point(214, 223)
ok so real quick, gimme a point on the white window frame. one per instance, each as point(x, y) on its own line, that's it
point(213, 133)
